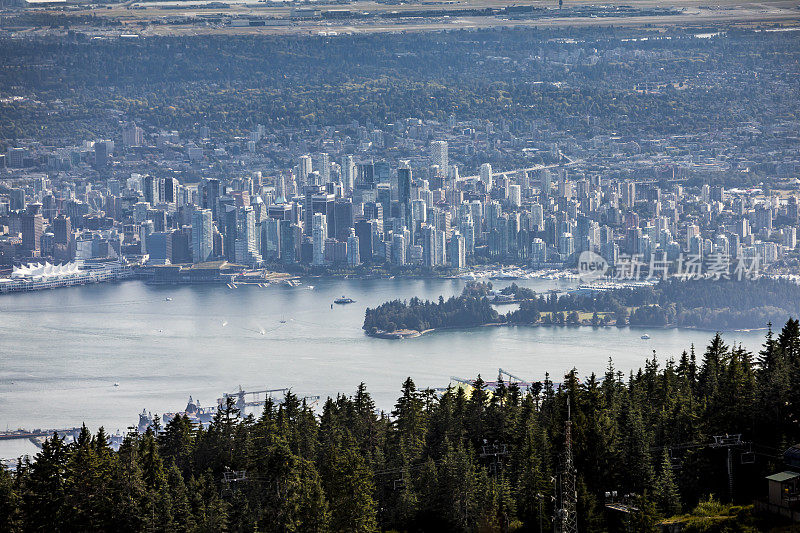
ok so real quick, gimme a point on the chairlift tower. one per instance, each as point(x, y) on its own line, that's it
point(729, 442)
point(566, 519)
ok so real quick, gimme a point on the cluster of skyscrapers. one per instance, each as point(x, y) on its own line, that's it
point(344, 211)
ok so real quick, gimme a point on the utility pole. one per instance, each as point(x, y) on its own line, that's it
point(566, 519)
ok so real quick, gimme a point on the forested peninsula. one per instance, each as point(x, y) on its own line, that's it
point(703, 304)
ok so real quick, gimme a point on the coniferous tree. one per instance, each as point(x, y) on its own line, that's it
point(11, 519)
point(44, 500)
point(183, 521)
point(665, 491)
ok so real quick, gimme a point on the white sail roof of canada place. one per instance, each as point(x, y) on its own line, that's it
point(46, 270)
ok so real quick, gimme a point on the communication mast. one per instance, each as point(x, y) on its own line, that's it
point(566, 519)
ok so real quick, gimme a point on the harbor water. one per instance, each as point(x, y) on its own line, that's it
point(99, 354)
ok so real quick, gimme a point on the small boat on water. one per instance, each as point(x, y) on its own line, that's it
point(645, 336)
point(167, 299)
point(116, 384)
point(344, 300)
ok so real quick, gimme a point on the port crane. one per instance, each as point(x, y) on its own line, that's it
point(516, 379)
point(491, 385)
point(253, 398)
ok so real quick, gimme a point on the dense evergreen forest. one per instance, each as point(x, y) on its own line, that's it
point(424, 466)
point(705, 303)
point(458, 311)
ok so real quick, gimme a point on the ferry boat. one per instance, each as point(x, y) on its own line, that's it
point(344, 300)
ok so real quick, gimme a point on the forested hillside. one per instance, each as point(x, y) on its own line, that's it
point(423, 466)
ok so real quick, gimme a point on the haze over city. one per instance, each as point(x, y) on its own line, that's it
point(399, 266)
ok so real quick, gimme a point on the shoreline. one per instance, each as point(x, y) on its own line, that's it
point(411, 334)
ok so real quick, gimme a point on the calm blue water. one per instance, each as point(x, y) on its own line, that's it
point(61, 351)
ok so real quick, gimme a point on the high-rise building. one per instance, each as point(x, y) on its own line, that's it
point(467, 229)
point(545, 181)
point(317, 201)
point(692, 231)
point(365, 178)
point(102, 153)
point(325, 171)
point(319, 233)
point(159, 247)
point(32, 229)
point(763, 219)
point(342, 218)
point(538, 251)
point(202, 235)
point(485, 173)
point(246, 241)
point(270, 239)
point(363, 231)
point(348, 173)
point(456, 252)
point(705, 193)
point(398, 249)
point(440, 156)
point(181, 247)
point(304, 168)
point(145, 229)
point(537, 216)
point(210, 194)
point(309, 191)
point(62, 229)
point(168, 190)
point(132, 135)
point(280, 188)
point(290, 241)
point(566, 245)
point(404, 186)
point(515, 195)
point(629, 194)
point(16, 157)
point(790, 238)
point(384, 198)
point(353, 256)
point(151, 190)
point(280, 212)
